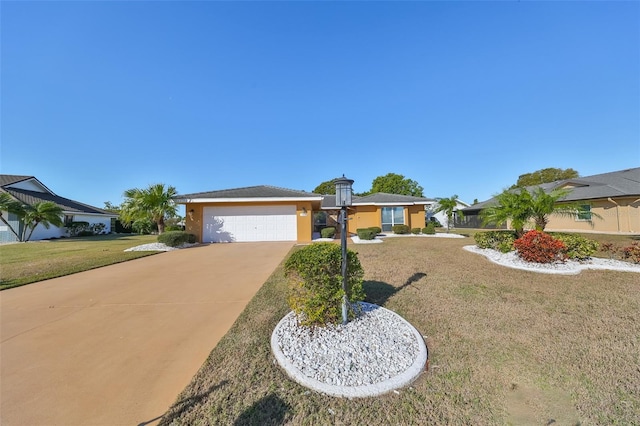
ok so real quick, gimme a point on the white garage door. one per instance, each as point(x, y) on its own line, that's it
point(255, 223)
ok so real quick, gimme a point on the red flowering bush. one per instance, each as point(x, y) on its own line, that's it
point(631, 253)
point(539, 247)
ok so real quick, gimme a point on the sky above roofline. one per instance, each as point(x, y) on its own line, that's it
point(462, 97)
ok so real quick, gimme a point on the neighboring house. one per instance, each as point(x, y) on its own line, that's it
point(29, 190)
point(614, 196)
point(442, 216)
point(267, 213)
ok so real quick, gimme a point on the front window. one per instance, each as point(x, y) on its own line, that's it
point(392, 216)
point(68, 220)
point(584, 213)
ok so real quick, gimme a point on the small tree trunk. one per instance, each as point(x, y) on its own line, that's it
point(160, 225)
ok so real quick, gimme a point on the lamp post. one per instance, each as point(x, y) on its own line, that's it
point(343, 200)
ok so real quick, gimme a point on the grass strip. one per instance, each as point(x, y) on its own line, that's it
point(26, 263)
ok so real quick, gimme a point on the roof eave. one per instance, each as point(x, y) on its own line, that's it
point(244, 200)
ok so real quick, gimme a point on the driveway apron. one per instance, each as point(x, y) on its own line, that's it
point(116, 345)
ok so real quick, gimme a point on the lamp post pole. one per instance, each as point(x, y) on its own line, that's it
point(343, 241)
point(343, 200)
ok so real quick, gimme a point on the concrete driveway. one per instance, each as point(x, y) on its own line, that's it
point(115, 345)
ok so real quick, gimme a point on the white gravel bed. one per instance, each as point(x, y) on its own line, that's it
point(436, 235)
point(570, 267)
point(157, 247)
point(377, 352)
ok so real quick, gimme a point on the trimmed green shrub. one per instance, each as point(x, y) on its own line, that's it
point(366, 233)
point(376, 229)
point(415, 231)
point(328, 232)
point(430, 229)
point(436, 222)
point(496, 240)
point(75, 229)
point(577, 247)
point(85, 234)
point(315, 293)
point(176, 238)
point(400, 229)
point(540, 247)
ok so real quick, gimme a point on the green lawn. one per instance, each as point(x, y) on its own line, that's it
point(505, 347)
point(25, 263)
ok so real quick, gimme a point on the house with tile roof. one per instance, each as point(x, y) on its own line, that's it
point(268, 213)
point(613, 196)
point(29, 190)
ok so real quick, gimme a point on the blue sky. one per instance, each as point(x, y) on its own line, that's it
point(462, 97)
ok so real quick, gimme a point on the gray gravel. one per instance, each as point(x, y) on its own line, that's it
point(376, 346)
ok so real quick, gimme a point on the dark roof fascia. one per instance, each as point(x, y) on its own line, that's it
point(377, 199)
point(248, 194)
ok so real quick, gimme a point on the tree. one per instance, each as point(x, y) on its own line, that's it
point(110, 207)
point(10, 205)
point(448, 206)
point(46, 213)
point(521, 206)
point(393, 183)
point(154, 203)
point(326, 188)
point(546, 204)
point(544, 176)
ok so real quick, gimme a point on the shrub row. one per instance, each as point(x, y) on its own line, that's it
point(577, 247)
point(430, 229)
point(367, 233)
point(176, 238)
point(540, 247)
point(400, 229)
point(328, 232)
point(84, 229)
point(501, 241)
point(630, 253)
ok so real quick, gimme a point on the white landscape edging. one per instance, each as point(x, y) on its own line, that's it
point(570, 267)
point(397, 381)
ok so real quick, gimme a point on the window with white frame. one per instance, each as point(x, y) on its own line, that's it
point(392, 216)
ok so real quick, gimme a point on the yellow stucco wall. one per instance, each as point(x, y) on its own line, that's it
point(620, 216)
point(368, 216)
point(416, 216)
point(364, 217)
point(194, 221)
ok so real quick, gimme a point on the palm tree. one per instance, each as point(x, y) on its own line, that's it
point(10, 205)
point(546, 204)
point(46, 213)
point(510, 205)
point(448, 206)
point(521, 206)
point(154, 203)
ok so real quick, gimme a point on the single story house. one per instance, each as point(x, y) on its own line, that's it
point(614, 197)
point(268, 213)
point(29, 190)
point(442, 216)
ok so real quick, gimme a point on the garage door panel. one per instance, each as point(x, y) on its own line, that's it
point(243, 223)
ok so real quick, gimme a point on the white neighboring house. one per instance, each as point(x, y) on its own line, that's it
point(442, 216)
point(29, 190)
